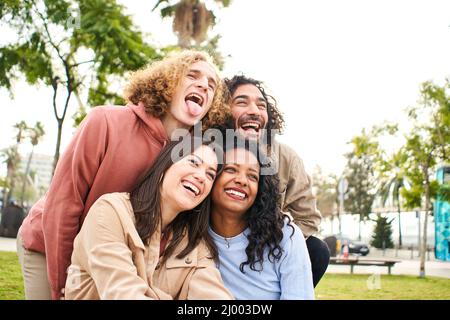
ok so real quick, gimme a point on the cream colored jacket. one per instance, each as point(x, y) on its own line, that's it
point(110, 261)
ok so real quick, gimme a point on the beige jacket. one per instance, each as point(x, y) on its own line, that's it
point(296, 189)
point(110, 261)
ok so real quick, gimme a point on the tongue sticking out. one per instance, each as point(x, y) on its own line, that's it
point(193, 108)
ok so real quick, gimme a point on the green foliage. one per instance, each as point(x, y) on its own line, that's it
point(72, 46)
point(392, 178)
point(191, 23)
point(428, 143)
point(382, 236)
point(325, 189)
point(360, 194)
point(444, 192)
point(359, 173)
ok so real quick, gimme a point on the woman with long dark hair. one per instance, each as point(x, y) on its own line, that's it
point(262, 255)
point(152, 243)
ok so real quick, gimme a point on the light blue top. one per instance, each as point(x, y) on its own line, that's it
point(289, 278)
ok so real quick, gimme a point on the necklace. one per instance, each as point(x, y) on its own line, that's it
point(228, 243)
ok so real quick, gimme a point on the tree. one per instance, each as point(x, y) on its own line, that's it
point(393, 180)
point(382, 235)
point(29, 194)
point(427, 144)
point(359, 173)
point(325, 189)
point(191, 19)
point(12, 159)
point(191, 22)
point(61, 44)
point(35, 135)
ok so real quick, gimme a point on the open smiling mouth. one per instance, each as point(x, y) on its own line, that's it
point(191, 188)
point(196, 98)
point(194, 104)
point(251, 127)
point(238, 195)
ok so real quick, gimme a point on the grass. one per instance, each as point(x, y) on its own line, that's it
point(331, 287)
point(355, 287)
point(11, 281)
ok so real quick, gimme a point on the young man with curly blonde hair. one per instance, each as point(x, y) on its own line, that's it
point(112, 147)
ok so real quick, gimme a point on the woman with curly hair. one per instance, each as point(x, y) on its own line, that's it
point(112, 148)
point(262, 255)
point(152, 243)
point(256, 115)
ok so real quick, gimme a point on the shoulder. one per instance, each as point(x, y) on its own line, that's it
point(112, 208)
point(286, 152)
point(109, 113)
point(291, 166)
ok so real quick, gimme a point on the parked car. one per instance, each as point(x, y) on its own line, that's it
point(354, 247)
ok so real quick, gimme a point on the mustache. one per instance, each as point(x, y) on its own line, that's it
point(252, 117)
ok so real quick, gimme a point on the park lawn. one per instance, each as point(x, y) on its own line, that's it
point(355, 287)
point(331, 287)
point(11, 281)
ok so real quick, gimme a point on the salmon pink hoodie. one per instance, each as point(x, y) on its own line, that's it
point(111, 149)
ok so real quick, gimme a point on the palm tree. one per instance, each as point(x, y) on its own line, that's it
point(12, 159)
point(191, 19)
point(35, 135)
point(392, 183)
point(21, 129)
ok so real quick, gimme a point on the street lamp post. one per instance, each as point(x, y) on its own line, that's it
point(342, 188)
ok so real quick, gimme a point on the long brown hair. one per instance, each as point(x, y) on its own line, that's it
point(146, 202)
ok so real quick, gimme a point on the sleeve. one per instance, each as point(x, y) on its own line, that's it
point(109, 259)
point(299, 199)
point(295, 268)
point(206, 282)
point(64, 204)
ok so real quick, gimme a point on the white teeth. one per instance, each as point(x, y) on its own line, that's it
point(192, 187)
point(236, 193)
point(251, 124)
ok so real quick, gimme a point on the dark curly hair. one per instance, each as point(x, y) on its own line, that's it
point(264, 218)
point(275, 117)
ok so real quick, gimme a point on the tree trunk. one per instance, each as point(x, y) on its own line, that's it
point(359, 235)
point(5, 195)
point(399, 224)
point(24, 182)
point(423, 247)
point(58, 145)
point(12, 184)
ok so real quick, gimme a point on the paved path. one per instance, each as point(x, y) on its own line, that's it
point(7, 244)
point(405, 267)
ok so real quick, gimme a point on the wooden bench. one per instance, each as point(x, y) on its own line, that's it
point(353, 261)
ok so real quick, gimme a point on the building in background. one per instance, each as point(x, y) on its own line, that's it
point(42, 166)
point(442, 217)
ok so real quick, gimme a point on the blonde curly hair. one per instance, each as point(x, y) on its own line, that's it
point(155, 86)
